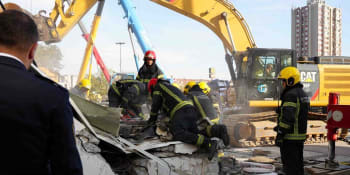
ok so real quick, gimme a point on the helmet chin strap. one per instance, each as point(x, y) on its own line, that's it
point(290, 81)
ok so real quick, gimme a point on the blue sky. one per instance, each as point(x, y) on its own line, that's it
point(185, 48)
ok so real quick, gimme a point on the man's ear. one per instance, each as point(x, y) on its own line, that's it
point(32, 51)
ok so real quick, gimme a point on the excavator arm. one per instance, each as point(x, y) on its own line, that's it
point(63, 17)
point(242, 56)
point(218, 15)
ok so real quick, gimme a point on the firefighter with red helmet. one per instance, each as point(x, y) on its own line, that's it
point(183, 115)
point(149, 69)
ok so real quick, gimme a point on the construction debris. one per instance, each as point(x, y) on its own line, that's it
point(326, 170)
point(259, 152)
point(150, 155)
point(261, 159)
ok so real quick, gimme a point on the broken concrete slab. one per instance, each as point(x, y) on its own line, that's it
point(93, 163)
point(196, 164)
point(184, 148)
point(104, 118)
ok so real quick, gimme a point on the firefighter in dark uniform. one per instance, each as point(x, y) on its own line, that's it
point(202, 91)
point(149, 69)
point(128, 94)
point(206, 90)
point(292, 121)
point(208, 117)
point(182, 113)
point(188, 86)
point(36, 118)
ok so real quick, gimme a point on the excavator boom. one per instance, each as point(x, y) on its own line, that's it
point(212, 14)
point(69, 17)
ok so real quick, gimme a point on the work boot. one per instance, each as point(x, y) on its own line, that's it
point(220, 131)
point(211, 147)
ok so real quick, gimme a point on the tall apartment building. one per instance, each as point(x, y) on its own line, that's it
point(316, 29)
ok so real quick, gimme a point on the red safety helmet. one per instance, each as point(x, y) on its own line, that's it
point(150, 55)
point(151, 84)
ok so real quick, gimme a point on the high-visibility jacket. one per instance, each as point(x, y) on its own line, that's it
point(204, 105)
point(145, 73)
point(292, 119)
point(167, 98)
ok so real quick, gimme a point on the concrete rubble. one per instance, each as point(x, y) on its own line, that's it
point(93, 162)
point(105, 152)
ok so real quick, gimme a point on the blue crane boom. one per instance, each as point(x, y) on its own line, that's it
point(137, 28)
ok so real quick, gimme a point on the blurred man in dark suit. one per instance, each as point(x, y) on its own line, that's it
point(36, 120)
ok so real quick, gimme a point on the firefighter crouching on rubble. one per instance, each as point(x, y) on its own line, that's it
point(199, 95)
point(182, 113)
point(128, 94)
point(36, 118)
point(188, 86)
point(203, 85)
point(292, 121)
point(149, 69)
point(208, 116)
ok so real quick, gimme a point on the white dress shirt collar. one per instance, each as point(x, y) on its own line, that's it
point(10, 56)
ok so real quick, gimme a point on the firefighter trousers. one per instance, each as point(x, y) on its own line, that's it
point(184, 127)
point(292, 157)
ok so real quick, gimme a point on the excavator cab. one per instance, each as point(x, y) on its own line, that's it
point(257, 75)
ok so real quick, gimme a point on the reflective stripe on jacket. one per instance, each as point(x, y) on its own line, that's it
point(292, 120)
point(146, 74)
point(130, 90)
point(168, 98)
point(204, 105)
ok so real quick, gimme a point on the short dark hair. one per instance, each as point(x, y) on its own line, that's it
point(17, 30)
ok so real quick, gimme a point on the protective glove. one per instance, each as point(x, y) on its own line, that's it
point(152, 120)
point(275, 128)
point(279, 140)
point(119, 85)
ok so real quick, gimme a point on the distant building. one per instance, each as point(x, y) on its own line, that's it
point(316, 29)
point(52, 75)
point(68, 81)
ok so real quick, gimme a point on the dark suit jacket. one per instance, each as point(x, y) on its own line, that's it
point(35, 124)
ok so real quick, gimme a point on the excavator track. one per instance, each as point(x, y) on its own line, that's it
point(256, 129)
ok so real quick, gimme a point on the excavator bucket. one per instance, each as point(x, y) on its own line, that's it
point(46, 28)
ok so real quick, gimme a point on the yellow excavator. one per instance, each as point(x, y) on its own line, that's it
point(254, 70)
point(246, 62)
point(62, 18)
point(256, 89)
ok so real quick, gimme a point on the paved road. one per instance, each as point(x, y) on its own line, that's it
point(314, 151)
point(341, 148)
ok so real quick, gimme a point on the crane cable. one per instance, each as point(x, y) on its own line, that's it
point(136, 58)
